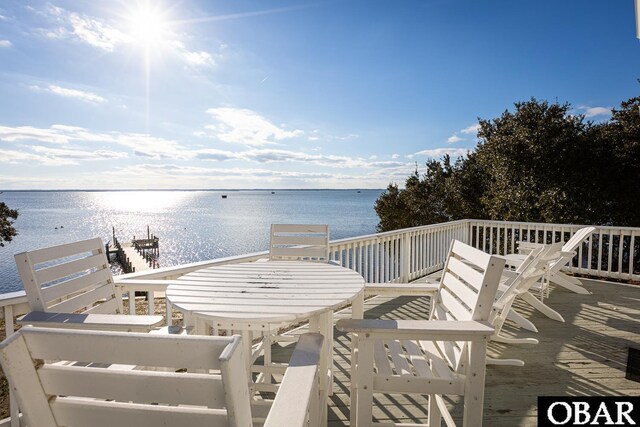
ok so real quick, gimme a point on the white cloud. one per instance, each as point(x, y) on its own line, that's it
point(596, 111)
point(471, 130)
point(88, 30)
point(266, 156)
point(141, 144)
point(110, 36)
point(71, 93)
point(73, 156)
point(194, 58)
point(454, 138)
point(5, 43)
point(395, 156)
point(15, 156)
point(439, 152)
point(22, 133)
point(246, 127)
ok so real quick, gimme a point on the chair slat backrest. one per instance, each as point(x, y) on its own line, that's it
point(182, 380)
point(467, 291)
point(69, 278)
point(575, 240)
point(302, 242)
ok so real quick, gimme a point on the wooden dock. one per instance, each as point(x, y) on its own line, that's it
point(137, 262)
point(585, 356)
point(136, 255)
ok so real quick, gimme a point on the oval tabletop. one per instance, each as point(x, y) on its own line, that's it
point(273, 291)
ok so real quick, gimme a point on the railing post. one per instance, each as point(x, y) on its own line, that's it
point(405, 257)
point(14, 411)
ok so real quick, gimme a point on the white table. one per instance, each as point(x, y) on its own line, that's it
point(265, 296)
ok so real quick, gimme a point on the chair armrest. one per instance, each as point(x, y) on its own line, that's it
point(397, 289)
point(298, 389)
point(526, 247)
point(107, 322)
point(416, 329)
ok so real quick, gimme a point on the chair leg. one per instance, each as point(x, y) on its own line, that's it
point(509, 340)
point(474, 384)
point(565, 281)
point(521, 321)
point(364, 384)
point(504, 362)
point(434, 416)
point(542, 308)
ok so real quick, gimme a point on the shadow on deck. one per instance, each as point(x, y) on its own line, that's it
point(585, 356)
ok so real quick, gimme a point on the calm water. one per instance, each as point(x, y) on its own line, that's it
point(192, 225)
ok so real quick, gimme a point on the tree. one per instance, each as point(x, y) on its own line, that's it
point(526, 155)
point(539, 163)
point(7, 216)
point(616, 156)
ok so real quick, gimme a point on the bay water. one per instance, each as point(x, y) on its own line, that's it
point(192, 225)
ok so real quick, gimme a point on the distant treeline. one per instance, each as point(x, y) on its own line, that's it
point(538, 163)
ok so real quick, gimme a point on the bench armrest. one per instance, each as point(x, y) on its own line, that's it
point(299, 387)
point(416, 329)
point(107, 322)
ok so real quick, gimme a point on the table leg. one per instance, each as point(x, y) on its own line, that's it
point(246, 340)
point(357, 312)
point(267, 356)
point(318, 324)
point(357, 307)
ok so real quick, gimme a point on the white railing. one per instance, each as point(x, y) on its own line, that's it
point(399, 255)
point(407, 254)
point(610, 252)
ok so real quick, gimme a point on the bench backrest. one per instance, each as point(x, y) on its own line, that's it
point(467, 291)
point(301, 242)
point(183, 380)
point(69, 278)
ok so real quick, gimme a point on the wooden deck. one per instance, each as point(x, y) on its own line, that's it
point(585, 356)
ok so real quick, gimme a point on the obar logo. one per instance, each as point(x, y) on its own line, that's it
point(588, 411)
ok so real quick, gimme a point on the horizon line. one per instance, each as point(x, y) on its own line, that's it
point(189, 189)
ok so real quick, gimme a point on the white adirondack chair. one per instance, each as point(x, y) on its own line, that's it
point(206, 385)
point(302, 242)
point(71, 286)
point(531, 271)
point(565, 256)
point(445, 355)
point(561, 259)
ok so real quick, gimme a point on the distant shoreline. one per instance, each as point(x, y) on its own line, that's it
point(191, 189)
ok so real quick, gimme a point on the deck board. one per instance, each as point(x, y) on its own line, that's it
point(585, 356)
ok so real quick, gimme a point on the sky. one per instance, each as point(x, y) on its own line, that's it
point(286, 94)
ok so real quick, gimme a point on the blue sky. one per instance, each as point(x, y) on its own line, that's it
point(286, 94)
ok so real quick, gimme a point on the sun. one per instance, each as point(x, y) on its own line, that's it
point(148, 24)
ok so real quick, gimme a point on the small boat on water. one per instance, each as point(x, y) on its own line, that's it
point(273, 192)
point(224, 196)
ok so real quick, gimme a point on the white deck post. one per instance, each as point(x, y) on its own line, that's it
point(405, 257)
point(14, 411)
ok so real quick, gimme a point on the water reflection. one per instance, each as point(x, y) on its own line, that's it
point(138, 201)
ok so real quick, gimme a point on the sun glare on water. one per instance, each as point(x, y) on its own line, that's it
point(140, 201)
